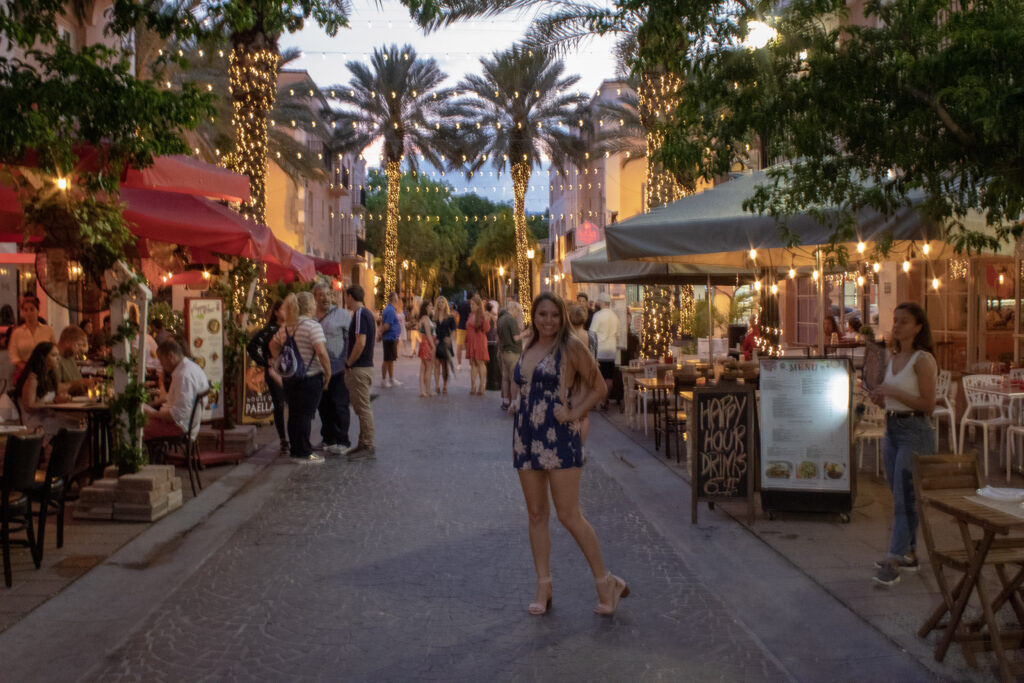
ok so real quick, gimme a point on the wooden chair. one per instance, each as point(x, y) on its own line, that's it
point(21, 458)
point(51, 486)
point(960, 472)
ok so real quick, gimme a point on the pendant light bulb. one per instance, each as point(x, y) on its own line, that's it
point(775, 288)
point(753, 254)
point(876, 266)
point(926, 248)
point(906, 266)
point(935, 283)
point(792, 272)
point(861, 247)
point(860, 280)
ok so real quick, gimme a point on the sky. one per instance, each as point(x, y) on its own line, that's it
point(458, 50)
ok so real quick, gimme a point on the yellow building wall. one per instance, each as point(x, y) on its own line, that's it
point(283, 207)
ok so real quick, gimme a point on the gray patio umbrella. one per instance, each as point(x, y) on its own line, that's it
point(595, 267)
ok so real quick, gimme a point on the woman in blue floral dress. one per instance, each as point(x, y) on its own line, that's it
point(559, 382)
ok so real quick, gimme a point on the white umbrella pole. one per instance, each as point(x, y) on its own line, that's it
point(821, 302)
point(710, 297)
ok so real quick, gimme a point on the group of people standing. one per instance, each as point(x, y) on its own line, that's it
point(335, 347)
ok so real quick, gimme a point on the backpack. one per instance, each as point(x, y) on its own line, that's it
point(289, 363)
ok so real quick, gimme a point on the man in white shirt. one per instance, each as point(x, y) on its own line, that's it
point(187, 380)
point(605, 325)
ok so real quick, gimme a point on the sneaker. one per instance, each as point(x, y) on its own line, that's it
point(887, 575)
point(396, 383)
point(387, 382)
point(311, 459)
point(908, 562)
point(338, 449)
point(504, 405)
point(362, 453)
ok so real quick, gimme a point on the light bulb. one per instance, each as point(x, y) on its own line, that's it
point(757, 285)
point(1001, 278)
point(906, 266)
point(860, 280)
point(876, 267)
point(792, 273)
point(815, 275)
point(62, 183)
point(861, 247)
point(753, 254)
point(775, 288)
point(935, 283)
point(925, 248)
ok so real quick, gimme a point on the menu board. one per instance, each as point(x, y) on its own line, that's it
point(805, 424)
point(257, 405)
point(204, 331)
point(723, 444)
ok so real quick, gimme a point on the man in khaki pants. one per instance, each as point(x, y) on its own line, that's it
point(359, 371)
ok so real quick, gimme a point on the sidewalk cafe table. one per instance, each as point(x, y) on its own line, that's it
point(97, 416)
point(992, 518)
point(660, 388)
point(629, 376)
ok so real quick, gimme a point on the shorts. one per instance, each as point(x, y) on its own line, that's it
point(390, 350)
point(460, 337)
point(607, 368)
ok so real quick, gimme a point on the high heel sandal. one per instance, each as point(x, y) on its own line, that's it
point(536, 608)
point(621, 590)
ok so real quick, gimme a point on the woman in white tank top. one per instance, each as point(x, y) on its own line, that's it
point(908, 395)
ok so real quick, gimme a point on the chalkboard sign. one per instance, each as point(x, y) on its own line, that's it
point(723, 447)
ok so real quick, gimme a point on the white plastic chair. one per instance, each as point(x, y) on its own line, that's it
point(983, 410)
point(945, 407)
point(643, 397)
point(870, 428)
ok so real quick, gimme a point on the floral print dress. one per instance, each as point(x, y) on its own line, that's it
point(539, 441)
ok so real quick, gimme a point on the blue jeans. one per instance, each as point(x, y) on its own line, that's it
point(905, 438)
point(277, 398)
point(303, 396)
point(334, 412)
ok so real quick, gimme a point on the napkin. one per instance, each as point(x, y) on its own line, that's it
point(1002, 493)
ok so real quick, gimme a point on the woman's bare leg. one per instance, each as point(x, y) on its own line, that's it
point(535, 491)
point(565, 491)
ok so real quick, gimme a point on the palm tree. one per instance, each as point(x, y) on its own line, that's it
point(522, 108)
point(396, 99)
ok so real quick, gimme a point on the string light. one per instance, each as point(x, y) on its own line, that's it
point(792, 272)
point(861, 247)
point(906, 266)
point(926, 248)
point(876, 266)
point(62, 183)
point(935, 283)
point(252, 78)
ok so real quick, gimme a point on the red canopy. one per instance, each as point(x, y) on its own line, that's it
point(185, 175)
point(328, 267)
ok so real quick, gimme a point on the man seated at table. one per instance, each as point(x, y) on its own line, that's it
point(73, 344)
point(175, 408)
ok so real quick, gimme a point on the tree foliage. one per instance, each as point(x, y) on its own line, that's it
point(923, 101)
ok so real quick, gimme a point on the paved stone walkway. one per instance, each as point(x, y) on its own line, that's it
point(417, 567)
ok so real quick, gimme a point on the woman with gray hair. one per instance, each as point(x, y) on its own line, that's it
point(302, 393)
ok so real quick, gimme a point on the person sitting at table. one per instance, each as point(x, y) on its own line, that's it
point(37, 390)
point(750, 341)
point(171, 417)
point(830, 327)
point(99, 342)
point(72, 346)
point(852, 328)
point(31, 332)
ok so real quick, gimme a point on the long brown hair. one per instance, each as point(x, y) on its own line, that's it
point(562, 336)
point(923, 339)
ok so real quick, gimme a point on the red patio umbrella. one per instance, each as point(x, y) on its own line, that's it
point(185, 175)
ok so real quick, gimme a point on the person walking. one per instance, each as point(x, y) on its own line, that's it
point(259, 350)
point(428, 349)
point(390, 331)
point(605, 324)
point(509, 347)
point(908, 396)
point(558, 383)
point(359, 371)
point(334, 413)
point(413, 317)
point(476, 346)
point(302, 393)
point(444, 328)
point(463, 310)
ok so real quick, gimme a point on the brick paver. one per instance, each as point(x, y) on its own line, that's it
point(417, 567)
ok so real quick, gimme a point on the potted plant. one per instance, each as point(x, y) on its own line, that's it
point(866, 333)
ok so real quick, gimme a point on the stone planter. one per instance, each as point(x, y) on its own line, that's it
point(145, 496)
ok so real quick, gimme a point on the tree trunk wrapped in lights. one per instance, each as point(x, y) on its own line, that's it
point(253, 83)
point(656, 98)
point(520, 181)
point(393, 171)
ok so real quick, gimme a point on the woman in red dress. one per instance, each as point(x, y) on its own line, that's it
point(476, 346)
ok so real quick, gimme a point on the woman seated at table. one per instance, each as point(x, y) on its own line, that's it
point(37, 390)
point(830, 327)
point(852, 328)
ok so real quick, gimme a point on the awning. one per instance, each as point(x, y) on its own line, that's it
point(595, 267)
point(712, 227)
point(185, 175)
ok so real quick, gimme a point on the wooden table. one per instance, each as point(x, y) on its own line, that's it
point(629, 376)
point(992, 522)
point(97, 415)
